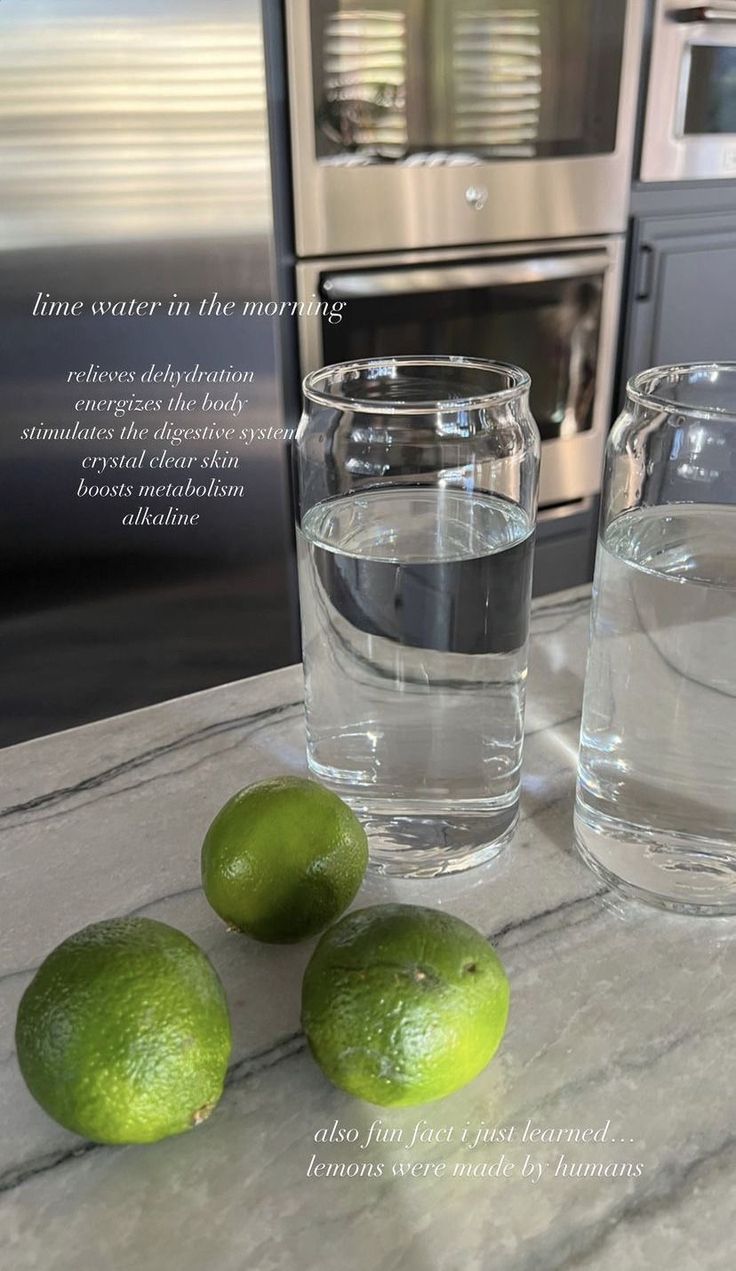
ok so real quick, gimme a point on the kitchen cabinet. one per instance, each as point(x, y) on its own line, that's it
point(682, 291)
point(564, 552)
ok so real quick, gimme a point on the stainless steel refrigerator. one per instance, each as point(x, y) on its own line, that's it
point(135, 163)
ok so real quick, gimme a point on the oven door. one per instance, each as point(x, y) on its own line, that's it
point(555, 314)
point(690, 129)
point(417, 124)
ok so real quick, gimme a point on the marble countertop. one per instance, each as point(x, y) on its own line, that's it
point(613, 1086)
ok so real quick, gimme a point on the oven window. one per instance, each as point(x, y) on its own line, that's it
point(711, 90)
point(551, 329)
point(463, 80)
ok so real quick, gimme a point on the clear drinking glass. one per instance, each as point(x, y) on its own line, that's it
point(416, 482)
point(656, 797)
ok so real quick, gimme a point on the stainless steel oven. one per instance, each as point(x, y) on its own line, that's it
point(421, 123)
point(552, 311)
point(690, 124)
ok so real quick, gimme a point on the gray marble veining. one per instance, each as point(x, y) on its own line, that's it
point(619, 1015)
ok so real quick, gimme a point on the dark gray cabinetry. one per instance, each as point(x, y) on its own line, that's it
point(682, 292)
point(565, 549)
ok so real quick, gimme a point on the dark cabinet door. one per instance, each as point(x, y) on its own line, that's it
point(682, 294)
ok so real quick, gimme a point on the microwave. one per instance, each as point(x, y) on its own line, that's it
point(421, 124)
point(690, 121)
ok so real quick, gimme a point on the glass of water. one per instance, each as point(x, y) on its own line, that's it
point(416, 481)
point(656, 797)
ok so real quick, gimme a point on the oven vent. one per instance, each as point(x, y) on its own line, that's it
point(497, 72)
point(364, 82)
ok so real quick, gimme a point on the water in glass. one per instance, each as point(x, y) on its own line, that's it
point(415, 607)
point(656, 801)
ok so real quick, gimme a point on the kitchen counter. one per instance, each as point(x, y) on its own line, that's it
point(618, 1057)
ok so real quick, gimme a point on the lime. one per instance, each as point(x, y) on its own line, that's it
point(402, 1005)
point(282, 859)
point(123, 1035)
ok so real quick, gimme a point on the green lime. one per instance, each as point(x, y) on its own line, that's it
point(283, 859)
point(123, 1034)
point(402, 1005)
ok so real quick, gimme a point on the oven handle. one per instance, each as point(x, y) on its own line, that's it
point(724, 11)
point(401, 282)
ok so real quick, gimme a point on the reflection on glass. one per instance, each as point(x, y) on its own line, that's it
point(497, 73)
point(364, 100)
point(552, 328)
point(711, 97)
point(423, 82)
